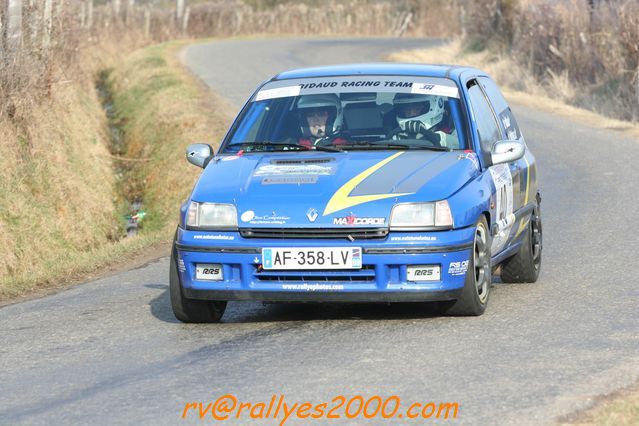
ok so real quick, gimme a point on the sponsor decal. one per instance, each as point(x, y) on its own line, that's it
point(292, 180)
point(269, 220)
point(247, 216)
point(435, 89)
point(423, 273)
point(278, 92)
point(181, 266)
point(229, 158)
point(293, 169)
point(358, 84)
point(352, 220)
point(505, 218)
point(312, 214)
point(214, 237)
point(357, 258)
point(458, 268)
point(471, 156)
point(313, 287)
point(510, 124)
point(342, 199)
point(414, 238)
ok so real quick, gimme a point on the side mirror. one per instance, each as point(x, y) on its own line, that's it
point(199, 154)
point(507, 151)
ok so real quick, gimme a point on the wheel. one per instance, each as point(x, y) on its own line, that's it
point(190, 310)
point(476, 291)
point(524, 267)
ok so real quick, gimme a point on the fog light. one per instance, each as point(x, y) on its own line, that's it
point(423, 273)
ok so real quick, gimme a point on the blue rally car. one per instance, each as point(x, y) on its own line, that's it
point(361, 183)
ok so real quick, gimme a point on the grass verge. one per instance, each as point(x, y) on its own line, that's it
point(620, 408)
point(60, 216)
point(162, 109)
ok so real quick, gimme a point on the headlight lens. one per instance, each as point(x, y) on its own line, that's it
point(416, 216)
point(211, 216)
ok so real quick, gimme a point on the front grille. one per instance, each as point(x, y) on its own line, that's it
point(312, 233)
point(364, 275)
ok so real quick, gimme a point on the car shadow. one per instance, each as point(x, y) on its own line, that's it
point(255, 312)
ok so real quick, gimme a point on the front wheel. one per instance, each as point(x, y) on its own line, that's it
point(190, 310)
point(476, 291)
point(524, 267)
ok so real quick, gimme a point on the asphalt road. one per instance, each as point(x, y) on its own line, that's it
point(110, 351)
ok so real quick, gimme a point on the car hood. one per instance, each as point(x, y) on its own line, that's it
point(315, 189)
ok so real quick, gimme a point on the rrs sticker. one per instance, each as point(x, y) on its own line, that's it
point(505, 218)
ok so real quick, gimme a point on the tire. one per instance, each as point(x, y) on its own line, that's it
point(476, 291)
point(524, 267)
point(190, 310)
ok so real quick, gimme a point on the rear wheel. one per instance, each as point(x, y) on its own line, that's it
point(476, 291)
point(524, 267)
point(190, 310)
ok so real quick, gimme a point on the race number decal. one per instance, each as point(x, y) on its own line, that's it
point(505, 218)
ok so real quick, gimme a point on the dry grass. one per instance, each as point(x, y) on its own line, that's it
point(618, 409)
point(519, 86)
point(588, 51)
point(56, 196)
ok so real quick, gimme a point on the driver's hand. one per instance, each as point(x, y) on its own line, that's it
point(414, 126)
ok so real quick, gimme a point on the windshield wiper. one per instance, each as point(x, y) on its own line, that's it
point(281, 146)
point(276, 145)
point(395, 145)
point(325, 148)
point(376, 146)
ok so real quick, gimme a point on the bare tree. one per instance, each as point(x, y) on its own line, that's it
point(13, 30)
point(185, 21)
point(179, 10)
point(48, 23)
point(89, 13)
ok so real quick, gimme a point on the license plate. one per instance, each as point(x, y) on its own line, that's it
point(423, 273)
point(208, 271)
point(312, 258)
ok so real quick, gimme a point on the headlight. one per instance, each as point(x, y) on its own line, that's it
point(416, 216)
point(211, 216)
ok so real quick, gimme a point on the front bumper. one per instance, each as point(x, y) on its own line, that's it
point(383, 276)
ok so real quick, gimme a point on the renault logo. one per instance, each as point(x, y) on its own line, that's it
point(312, 214)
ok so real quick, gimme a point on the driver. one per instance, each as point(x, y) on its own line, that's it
point(421, 117)
point(320, 118)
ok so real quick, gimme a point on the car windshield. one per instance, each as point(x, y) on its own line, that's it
point(350, 113)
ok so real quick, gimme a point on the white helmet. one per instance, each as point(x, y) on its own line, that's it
point(327, 101)
point(428, 109)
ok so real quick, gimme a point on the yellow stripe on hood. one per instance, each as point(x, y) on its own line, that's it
point(341, 200)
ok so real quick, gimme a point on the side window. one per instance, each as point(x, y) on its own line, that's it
point(489, 132)
point(505, 115)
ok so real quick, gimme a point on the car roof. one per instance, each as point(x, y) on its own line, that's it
point(388, 68)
